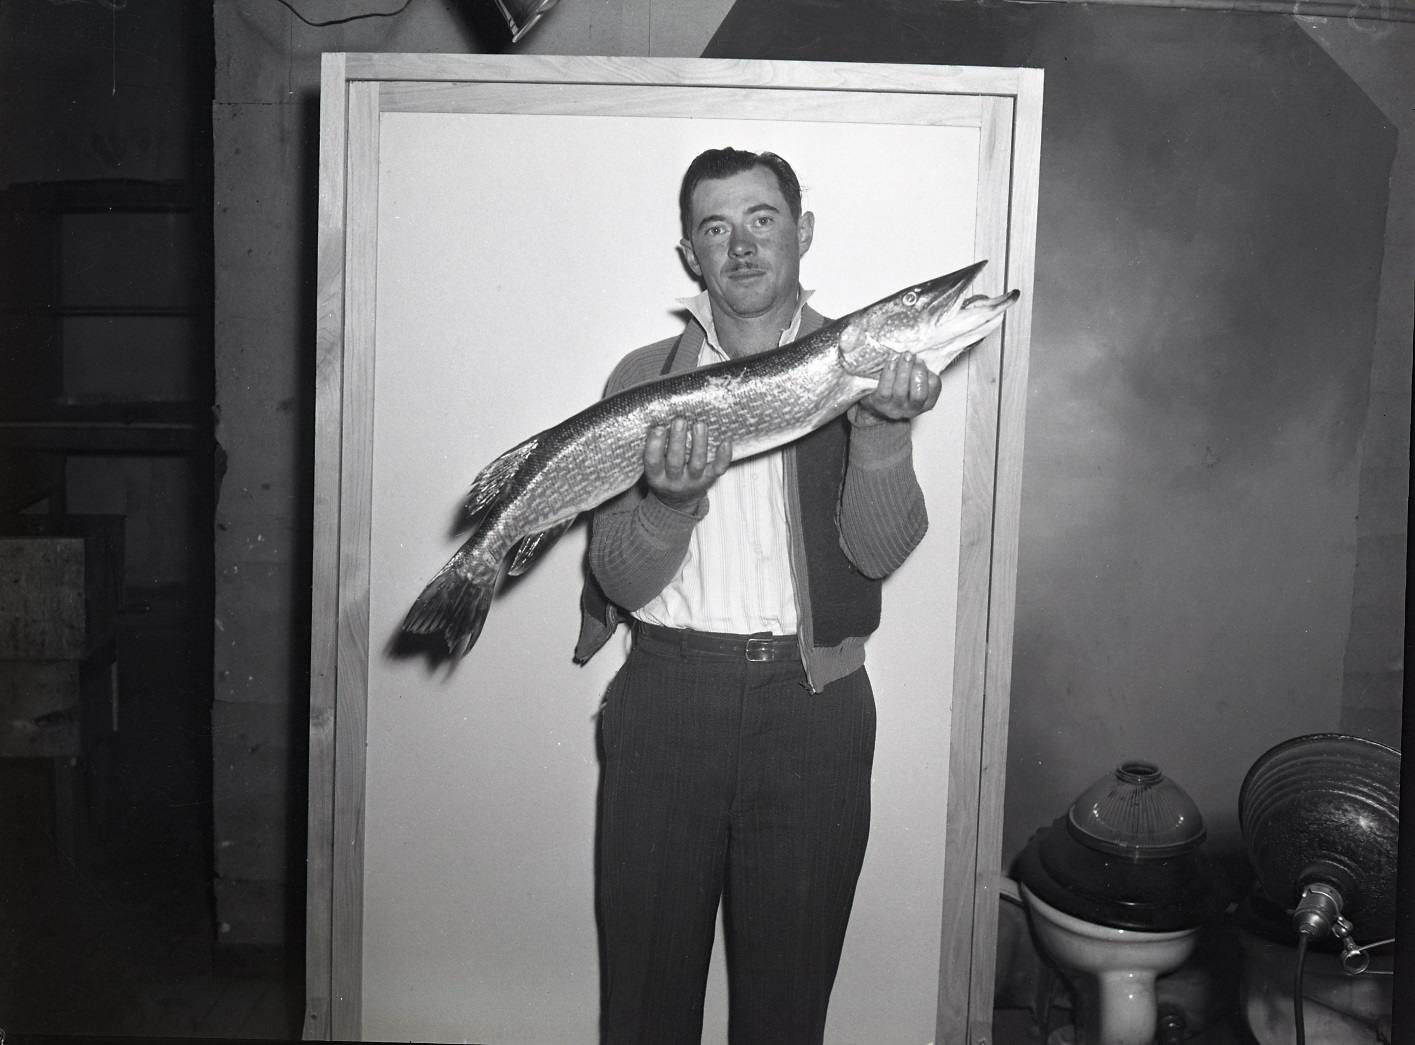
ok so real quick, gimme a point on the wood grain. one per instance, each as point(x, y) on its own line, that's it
point(880, 78)
point(689, 103)
point(355, 499)
point(324, 596)
point(959, 942)
point(1025, 164)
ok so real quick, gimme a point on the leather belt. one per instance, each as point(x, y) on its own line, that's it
point(762, 648)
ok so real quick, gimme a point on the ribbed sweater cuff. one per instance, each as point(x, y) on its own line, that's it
point(667, 526)
point(880, 445)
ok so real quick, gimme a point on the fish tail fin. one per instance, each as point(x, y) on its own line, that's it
point(453, 605)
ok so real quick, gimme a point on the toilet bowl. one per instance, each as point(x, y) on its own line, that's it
point(1118, 891)
point(1112, 971)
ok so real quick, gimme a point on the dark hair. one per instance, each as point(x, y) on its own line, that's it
point(723, 163)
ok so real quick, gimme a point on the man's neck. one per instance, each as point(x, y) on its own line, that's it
point(748, 335)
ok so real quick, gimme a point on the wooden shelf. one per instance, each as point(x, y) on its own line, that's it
point(139, 428)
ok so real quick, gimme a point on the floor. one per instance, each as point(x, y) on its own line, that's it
point(1020, 1027)
point(106, 917)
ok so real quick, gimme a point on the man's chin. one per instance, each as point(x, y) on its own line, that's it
point(749, 302)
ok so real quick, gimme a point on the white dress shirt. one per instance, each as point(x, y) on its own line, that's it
point(737, 574)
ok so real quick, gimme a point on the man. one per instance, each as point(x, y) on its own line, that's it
point(738, 737)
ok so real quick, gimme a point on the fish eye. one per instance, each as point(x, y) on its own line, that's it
point(911, 297)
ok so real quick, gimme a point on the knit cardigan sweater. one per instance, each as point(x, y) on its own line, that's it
point(854, 509)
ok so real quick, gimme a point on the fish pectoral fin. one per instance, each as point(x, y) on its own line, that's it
point(532, 546)
point(489, 481)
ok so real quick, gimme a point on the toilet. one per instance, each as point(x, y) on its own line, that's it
point(1117, 893)
point(1112, 970)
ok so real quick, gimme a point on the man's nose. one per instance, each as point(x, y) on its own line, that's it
point(741, 244)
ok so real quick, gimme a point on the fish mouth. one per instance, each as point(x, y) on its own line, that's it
point(936, 320)
point(984, 302)
point(946, 293)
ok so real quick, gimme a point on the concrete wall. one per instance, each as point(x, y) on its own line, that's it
point(1378, 57)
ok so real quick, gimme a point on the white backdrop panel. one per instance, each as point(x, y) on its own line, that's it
point(519, 258)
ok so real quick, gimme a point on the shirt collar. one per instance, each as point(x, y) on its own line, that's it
point(700, 306)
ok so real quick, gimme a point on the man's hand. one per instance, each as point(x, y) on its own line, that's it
point(676, 462)
point(906, 389)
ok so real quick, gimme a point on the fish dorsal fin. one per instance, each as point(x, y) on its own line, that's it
point(486, 487)
point(534, 545)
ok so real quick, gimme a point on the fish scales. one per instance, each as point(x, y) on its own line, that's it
point(761, 401)
point(601, 449)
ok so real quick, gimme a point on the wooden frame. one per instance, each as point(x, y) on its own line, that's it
point(357, 91)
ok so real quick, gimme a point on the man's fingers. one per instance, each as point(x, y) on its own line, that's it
point(678, 464)
point(697, 450)
point(888, 377)
point(895, 378)
point(924, 386)
point(676, 453)
point(654, 444)
point(680, 449)
point(935, 386)
point(907, 388)
point(723, 457)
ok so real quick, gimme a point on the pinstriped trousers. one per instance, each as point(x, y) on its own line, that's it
point(727, 780)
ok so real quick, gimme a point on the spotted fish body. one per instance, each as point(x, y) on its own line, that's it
point(531, 494)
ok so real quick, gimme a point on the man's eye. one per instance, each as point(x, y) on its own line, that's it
point(763, 220)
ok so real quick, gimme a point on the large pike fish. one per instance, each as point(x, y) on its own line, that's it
point(530, 495)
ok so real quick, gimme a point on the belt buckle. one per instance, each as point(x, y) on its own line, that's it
point(760, 649)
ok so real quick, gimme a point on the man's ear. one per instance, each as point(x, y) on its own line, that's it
point(690, 258)
point(805, 231)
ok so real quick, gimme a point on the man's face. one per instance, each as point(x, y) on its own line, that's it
point(745, 245)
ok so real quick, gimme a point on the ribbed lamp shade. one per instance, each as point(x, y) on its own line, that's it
point(1326, 808)
point(1137, 812)
point(1127, 854)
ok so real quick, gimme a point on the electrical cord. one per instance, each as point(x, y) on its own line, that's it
point(347, 18)
point(1299, 1029)
point(1318, 913)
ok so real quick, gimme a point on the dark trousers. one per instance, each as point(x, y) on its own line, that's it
point(725, 779)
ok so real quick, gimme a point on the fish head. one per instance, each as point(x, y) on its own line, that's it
point(938, 321)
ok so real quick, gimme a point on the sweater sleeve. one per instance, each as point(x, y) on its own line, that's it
point(882, 512)
point(637, 543)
